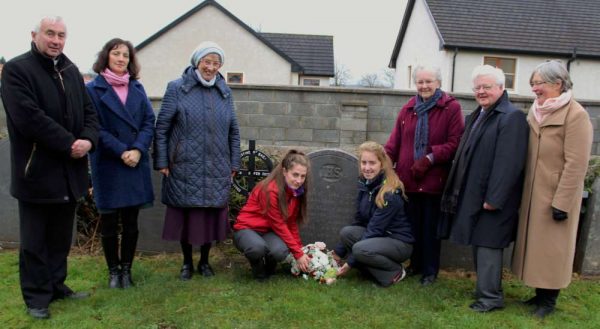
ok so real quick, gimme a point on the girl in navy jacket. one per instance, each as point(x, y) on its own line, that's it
point(381, 237)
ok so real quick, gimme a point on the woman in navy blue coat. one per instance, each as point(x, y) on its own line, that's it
point(120, 163)
point(381, 237)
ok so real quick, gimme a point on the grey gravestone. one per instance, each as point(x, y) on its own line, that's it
point(588, 246)
point(332, 195)
point(9, 212)
point(151, 223)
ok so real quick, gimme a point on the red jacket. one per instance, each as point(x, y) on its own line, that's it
point(446, 126)
point(251, 217)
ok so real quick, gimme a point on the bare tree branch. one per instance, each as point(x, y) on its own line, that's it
point(341, 75)
point(370, 80)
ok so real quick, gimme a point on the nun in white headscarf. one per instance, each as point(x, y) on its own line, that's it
point(197, 150)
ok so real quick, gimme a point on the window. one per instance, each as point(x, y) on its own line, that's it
point(235, 77)
point(311, 82)
point(508, 65)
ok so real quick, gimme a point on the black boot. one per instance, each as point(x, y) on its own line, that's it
point(128, 245)
point(546, 302)
point(126, 281)
point(270, 266)
point(114, 277)
point(110, 244)
point(258, 269)
point(535, 300)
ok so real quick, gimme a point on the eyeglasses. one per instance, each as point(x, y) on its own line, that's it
point(210, 63)
point(484, 87)
point(425, 82)
point(537, 83)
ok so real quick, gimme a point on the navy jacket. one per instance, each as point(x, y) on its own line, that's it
point(47, 109)
point(123, 128)
point(390, 221)
point(197, 137)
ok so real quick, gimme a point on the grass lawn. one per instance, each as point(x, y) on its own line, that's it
point(232, 299)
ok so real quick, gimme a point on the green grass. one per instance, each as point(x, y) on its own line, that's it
point(233, 300)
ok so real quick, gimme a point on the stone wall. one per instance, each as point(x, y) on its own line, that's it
point(319, 117)
point(313, 118)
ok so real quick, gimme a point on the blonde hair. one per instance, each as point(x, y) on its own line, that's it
point(391, 181)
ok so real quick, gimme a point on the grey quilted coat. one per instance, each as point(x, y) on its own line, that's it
point(198, 139)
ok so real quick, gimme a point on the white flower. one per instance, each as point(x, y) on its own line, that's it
point(322, 266)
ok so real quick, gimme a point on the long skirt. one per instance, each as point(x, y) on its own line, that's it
point(196, 226)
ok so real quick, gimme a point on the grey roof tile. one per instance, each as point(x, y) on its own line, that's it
point(536, 26)
point(313, 52)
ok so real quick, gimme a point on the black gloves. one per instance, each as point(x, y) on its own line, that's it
point(559, 215)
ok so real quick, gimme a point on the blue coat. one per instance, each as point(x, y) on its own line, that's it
point(390, 221)
point(123, 127)
point(198, 139)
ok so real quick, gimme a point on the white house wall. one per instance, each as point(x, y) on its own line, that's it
point(421, 46)
point(584, 73)
point(165, 58)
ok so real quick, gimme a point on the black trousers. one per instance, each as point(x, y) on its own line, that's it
point(46, 232)
point(424, 212)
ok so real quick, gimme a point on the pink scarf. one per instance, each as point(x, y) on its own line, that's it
point(120, 84)
point(540, 112)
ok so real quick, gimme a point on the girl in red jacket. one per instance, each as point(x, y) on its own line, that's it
point(266, 230)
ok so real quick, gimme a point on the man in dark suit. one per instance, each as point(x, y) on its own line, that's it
point(483, 191)
point(52, 126)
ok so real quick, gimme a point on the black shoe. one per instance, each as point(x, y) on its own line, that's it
point(126, 281)
point(258, 270)
point(427, 280)
point(187, 270)
point(541, 311)
point(38, 313)
point(482, 307)
point(270, 266)
point(205, 270)
point(114, 278)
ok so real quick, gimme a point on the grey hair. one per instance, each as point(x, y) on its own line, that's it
point(432, 69)
point(488, 70)
point(50, 19)
point(554, 71)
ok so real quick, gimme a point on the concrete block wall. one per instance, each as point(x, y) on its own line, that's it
point(318, 117)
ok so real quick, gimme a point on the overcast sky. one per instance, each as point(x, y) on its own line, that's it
point(364, 31)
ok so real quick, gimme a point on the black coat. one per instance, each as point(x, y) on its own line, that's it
point(493, 160)
point(44, 119)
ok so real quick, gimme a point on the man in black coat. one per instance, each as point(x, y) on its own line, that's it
point(483, 191)
point(52, 126)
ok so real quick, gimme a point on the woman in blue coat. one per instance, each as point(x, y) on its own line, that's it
point(381, 237)
point(120, 163)
point(197, 149)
